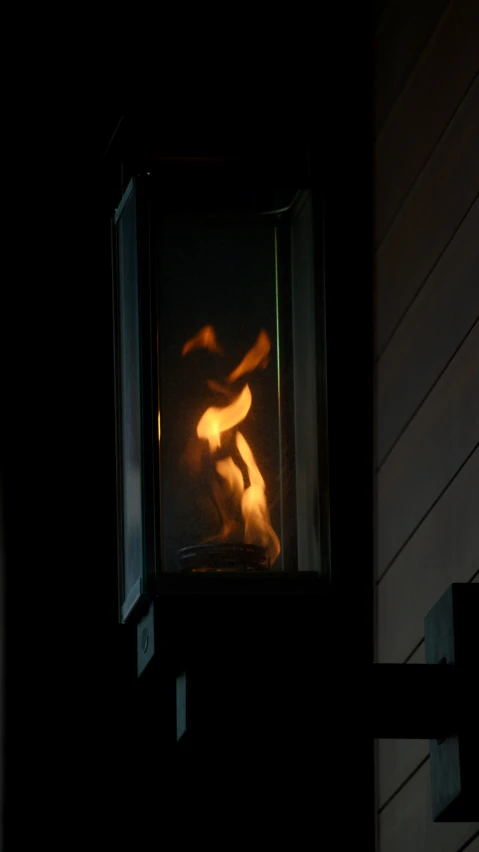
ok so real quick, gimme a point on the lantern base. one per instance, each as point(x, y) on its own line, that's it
point(223, 558)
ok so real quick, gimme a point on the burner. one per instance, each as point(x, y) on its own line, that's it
point(222, 558)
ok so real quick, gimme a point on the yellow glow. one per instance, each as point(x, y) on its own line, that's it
point(232, 474)
point(204, 339)
point(258, 529)
point(218, 420)
point(257, 355)
point(243, 511)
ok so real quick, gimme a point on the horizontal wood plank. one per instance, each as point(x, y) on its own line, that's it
point(429, 217)
point(404, 29)
point(443, 550)
point(439, 439)
point(433, 328)
point(406, 822)
point(433, 92)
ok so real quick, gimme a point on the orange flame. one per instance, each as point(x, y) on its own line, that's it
point(217, 420)
point(232, 474)
point(204, 339)
point(256, 356)
point(228, 498)
point(258, 529)
point(230, 526)
point(233, 500)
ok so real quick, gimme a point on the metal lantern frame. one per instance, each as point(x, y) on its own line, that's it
point(144, 202)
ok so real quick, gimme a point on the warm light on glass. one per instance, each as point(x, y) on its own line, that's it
point(243, 507)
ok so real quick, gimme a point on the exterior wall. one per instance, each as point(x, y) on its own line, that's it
point(427, 362)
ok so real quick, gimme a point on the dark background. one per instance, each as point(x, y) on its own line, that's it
point(71, 757)
point(69, 772)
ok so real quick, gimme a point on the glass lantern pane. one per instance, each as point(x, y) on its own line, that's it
point(218, 379)
point(130, 405)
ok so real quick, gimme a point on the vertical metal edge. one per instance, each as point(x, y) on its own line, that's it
point(154, 383)
point(128, 605)
point(117, 416)
point(124, 200)
point(149, 382)
point(315, 196)
point(282, 230)
point(146, 401)
point(154, 230)
point(321, 377)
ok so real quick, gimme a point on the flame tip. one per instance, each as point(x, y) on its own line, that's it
point(250, 501)
point(205, 338)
